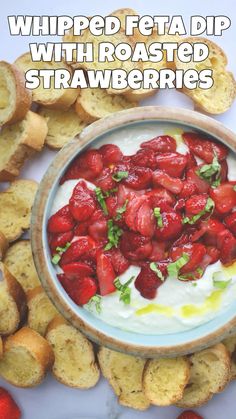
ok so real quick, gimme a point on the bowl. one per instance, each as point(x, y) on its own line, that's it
point(146, 119)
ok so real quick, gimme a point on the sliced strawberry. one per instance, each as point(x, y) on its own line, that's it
point(139, 216)
point(204, 148)
point(119, 262)
point(8, 406)
point(82, 203)
point(106, 274)
point(160, 196)
point(230, 222)
point(111, 154)
point(180, 204)
point(105, 181)
point(81, 290)
point(189, 189)
point(161, 144)
point(201, 185)
point(189, 414)
point(158, 251)
point(191, 161)
point(214, 253)
point(81, 229)
point(171, 163)
point(61, 221)
point(134, 246)
point(77, 249)
point(224, 197)
point(139, 178)
point(186, 237)
point(123, 193)
point(195, 204)
point(60, 240)
point(77, 270)
point(224, 171)
point(209, 230)
point(87, 166)
point(161, 178)
point(196, 253)
point(147, 283)
point(226, 242)
point(145, 158)
point(98, 230)
point(172, 226)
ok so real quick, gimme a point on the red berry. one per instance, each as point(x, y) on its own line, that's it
point(204, 148)
point(196, 253)
point(189, 188)
point(77, 270)
point(201, 185)
point(224, 171)
point(8, 407)
point(139, 178)
point(161, 178)
point(230, 222)
point(191, 161)
point(160, 196)
point(172, 163)
point(119, 262)
point(82, 202)
point(134, 246)
point(161, 144)
point(189, 414)
point(211, 229)
point(139, 216)
point(145, 158)
point(61, 221)
point(98, 230)
point(195, 204)
point(111, 154)
point(77, 249)
point(105, 181)
point(147, 283)
point(87, 166)
point(158, 251)
point(60, 240)
point(226, 243)
point(224, 197)
point(214, 253)
point(83, 289)
point(106, 274)
point(172, 226)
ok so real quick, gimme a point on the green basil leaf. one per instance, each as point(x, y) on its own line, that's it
point(121, 210)
point(208, 170)
point(56, 259)
point(125, 291)
point(114, 234)
point(154, 268)
point(219, 280)
point(96, 301)
point(60, 250)
point(174, 267)
point(100, 197)
point(157, 214)
point(209, 207)
point(118, 176)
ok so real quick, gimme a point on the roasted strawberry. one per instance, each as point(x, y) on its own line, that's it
point(189, 414)
point(78, 248)
point(201, 185)
point(119, 262)
point(211, 229)
point(191, 160)
point(138, 178)
point(171, 226)
point(179, 205)
point(77, 270)
point(230, 222)
point(111, 154)
point(61, 221)
point(87, 166)
point(81, 229)
point(60, 240)
point(226, 243)
point(82, 203)
point(145, 158)
point(224, 171)
point(98, 230)
point(195, 204)
point(161, 178)
point(214, 253)
point(147, 283)
point(161, 144)
point(196, 253)
point(189, 189)
point(158, 251)
point(204, 148)
point(134, 246)
point(159, 197)
point(139, 216)
point(171, 163)
point(106, 274)
point(8, 406)
point(224, 197)
point(104, 180)
point(83, 289)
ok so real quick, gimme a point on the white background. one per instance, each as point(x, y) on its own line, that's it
point(53, 400)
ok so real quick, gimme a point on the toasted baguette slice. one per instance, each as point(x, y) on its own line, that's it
point(18, 200)
point(93, 104)
point(55, 98)
point(15, 99)
point(3, 245)
point(20, 141)
point(1, 348)
point(41, 310)
point(164, 380)
point(62, 126)
point(230, 344)
point(75, 364)
point(121, 14)
point(209, 374)
point(19, 261)
point(124, 373)
point(27, 357)
point(12, 302)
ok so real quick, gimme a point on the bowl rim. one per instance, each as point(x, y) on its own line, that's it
point(63, 158)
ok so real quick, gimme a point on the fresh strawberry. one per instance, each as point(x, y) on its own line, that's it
point(82, 202)
point(161, 178)
point(78, 248)
point(104, 180)
point(195, 204)
point(111, 154)
point(87, 166)
point(196, 253)
point(224, 197)
point(147, 283)
point(204, 148)
point(8, 407)
point(160, 196)
point(139, 178)
point(189, 414)
point(106, 274)
point(158, 251)
point(139, 216)
point(189, 189)
point(226, 242)
point(60, 240)
point(134, 246)
point(119, 262)
point(61, 222)
point(200, 185)
point(172, 226)
point(171, 163)
point(230, 222)
point(161, 144)
point(145, 158)
point(77, 270)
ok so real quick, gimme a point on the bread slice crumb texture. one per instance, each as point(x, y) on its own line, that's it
point(41, 310)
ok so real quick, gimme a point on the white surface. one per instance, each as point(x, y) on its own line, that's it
point(52, 400)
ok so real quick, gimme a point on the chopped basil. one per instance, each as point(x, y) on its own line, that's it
point(191, 276)
point(60, 250)
point(209, 207)
point(96, 301)
point(208, 170)
point(219, 280)
point(121, 210)
point(114, 234)
point(154, 268)
point(100, 197)
point(157, 214)
point(118, 176)
point(108, 193)
point(174, 267)
point(125, 291)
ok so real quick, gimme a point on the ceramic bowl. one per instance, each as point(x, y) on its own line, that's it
point(139, 344)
